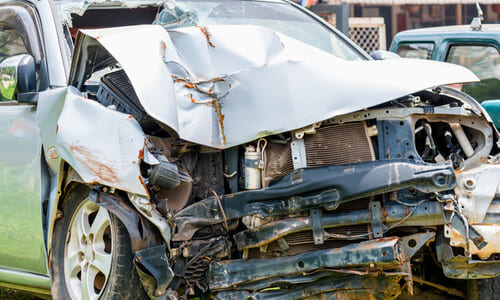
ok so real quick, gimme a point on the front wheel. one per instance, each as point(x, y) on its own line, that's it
point(91, 256)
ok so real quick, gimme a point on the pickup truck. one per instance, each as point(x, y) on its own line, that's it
point(476, 48)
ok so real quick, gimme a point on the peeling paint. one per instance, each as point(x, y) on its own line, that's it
point(91, 160)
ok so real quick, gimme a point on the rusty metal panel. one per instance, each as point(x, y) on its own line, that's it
point(377, 254)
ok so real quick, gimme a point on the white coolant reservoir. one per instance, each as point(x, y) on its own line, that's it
point(253, 164)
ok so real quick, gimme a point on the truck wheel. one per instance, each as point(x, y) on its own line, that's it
point(91, 256)
point(484, 289)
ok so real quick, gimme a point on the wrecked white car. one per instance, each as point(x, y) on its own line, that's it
point(233, 150)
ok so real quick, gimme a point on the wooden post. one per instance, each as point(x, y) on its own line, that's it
point(394, 19)
point(459, 19)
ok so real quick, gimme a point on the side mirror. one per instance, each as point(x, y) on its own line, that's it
point(493, 109)
point(17, 77)
point(382, 55)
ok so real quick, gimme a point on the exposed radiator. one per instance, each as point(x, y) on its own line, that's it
point(330, 145)
point(339, 144)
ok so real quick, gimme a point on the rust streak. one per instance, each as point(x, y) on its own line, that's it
point(163, 48)
point(220, 117)
point(90, 160)
point(144, 185)
point(216, 105)
point(207, 35)
point(189, 85)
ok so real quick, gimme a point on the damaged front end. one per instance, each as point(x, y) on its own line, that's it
point(290, 191)
point(377, 192)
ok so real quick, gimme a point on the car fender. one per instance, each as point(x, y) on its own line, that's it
point(102, 146)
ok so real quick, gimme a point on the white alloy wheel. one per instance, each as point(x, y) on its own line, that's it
point(88, 251)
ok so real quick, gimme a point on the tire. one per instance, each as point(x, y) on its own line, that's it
point(484, 289)
point(91, 256)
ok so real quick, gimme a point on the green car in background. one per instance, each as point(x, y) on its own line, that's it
point(476, 48)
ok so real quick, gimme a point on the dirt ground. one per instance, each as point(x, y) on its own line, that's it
point(10, 294)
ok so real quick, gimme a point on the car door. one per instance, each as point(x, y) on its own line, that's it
point(21, 233)
point(483, 59)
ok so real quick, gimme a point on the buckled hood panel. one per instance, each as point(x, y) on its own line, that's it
point(222, 86)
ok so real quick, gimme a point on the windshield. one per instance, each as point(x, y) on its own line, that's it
point(278, 16)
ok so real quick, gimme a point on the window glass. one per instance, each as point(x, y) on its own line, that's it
point(416, 50)
point(11, 42)
point(484, 61)
point(280, 17)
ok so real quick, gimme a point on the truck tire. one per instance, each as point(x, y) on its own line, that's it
point(484, 289)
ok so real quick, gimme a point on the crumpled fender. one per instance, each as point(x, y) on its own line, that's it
point(103, 146)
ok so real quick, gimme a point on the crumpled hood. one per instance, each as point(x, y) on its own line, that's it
point(222, 86)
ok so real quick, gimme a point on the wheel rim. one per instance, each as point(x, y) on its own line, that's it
point(87, 256)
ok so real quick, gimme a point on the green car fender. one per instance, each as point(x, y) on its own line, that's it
point(493, 109)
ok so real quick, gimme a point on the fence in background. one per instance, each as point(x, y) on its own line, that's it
point(368, 33)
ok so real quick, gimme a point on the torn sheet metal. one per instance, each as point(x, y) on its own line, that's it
point(490, 234)
point(225, 85)
point(102, 145)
